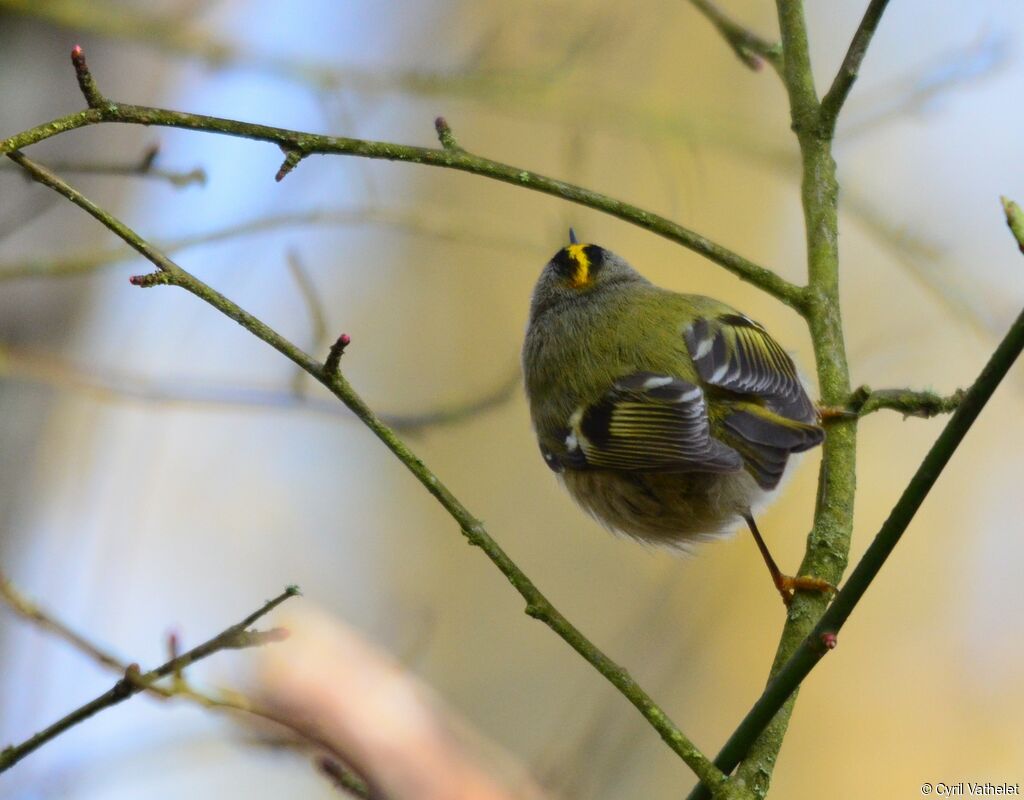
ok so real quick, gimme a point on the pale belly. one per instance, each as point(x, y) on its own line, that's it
point(669, 509)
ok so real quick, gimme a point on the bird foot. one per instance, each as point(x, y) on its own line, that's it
point(830, 413)
point(789, 585)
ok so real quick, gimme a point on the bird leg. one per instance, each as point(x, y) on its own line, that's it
point(786, 584)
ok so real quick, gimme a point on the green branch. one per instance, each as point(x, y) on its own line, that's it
point(908, 402)
point(298, 145)
point(823, 636)
point(135, 681)
point(537, 605)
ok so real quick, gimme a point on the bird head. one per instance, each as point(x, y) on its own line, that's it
point(579, 270)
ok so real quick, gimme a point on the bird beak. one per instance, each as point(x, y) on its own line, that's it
point(572, 237)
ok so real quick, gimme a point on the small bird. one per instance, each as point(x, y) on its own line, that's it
point(668, 417)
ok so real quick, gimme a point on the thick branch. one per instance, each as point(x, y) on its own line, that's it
point(822, 637)
point(134, 682)
point(832, 102)
point(828, 543)
point(537, 605)
point(300, 145)
point(750, 48)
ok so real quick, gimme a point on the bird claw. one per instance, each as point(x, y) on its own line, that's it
point(789, 585)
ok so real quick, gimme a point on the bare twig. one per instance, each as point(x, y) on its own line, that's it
point(144, 167)
point(225, 700)
point(306, 144)
point(751, 49)
point(135, 681)
point(84, 263)
point(317, 317)
point(32, 612)
point(50, 369)
point(908, 402)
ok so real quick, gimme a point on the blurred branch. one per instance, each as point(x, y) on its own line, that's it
point(227, 701)
point(145, 167)
point(317, 317)
point(332, 685)
point(910, 403)
point(914, 92)
point(84, 263)
point(537, 605)
point(135, 681)
point(298, 145)
point(750, 48)
point(49, 369)
point(27, 609)
point(925, 263)
point(170, 33)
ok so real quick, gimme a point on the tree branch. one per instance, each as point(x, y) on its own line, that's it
point(145, 167)
point(298, 145)
point(750, 48)
point(226, 701)
point(832, 102)
point(49, 369)
point(828, 543)
point(781, 689)
point(84, 263)
point(823, 637)
point(908, 402)
point(135, 681)
point(27, 609)
point(537, 605)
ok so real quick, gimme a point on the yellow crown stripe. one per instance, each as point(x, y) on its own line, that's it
point(577, 253)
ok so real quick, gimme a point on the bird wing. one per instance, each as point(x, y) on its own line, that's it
point(736, 354)
point(647, 421)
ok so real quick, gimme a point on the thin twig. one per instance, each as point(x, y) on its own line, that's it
point(84, 263)
point(134, 681)
point(832, 102)
point(315, 309)
point(29, 610)
point(145, 167)
point(751, 49)
point(306, 144)
point(168, 33)
point(537, 605)
point(225, 700)
point(908, 402)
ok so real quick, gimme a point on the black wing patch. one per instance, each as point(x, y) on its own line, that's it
point(649, 422)
point(765, 440)
point(736, 354)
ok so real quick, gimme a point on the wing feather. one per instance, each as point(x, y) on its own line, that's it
point(649, 422)
point(734, 353)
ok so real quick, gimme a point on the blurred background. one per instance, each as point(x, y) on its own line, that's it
point(161, 469)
